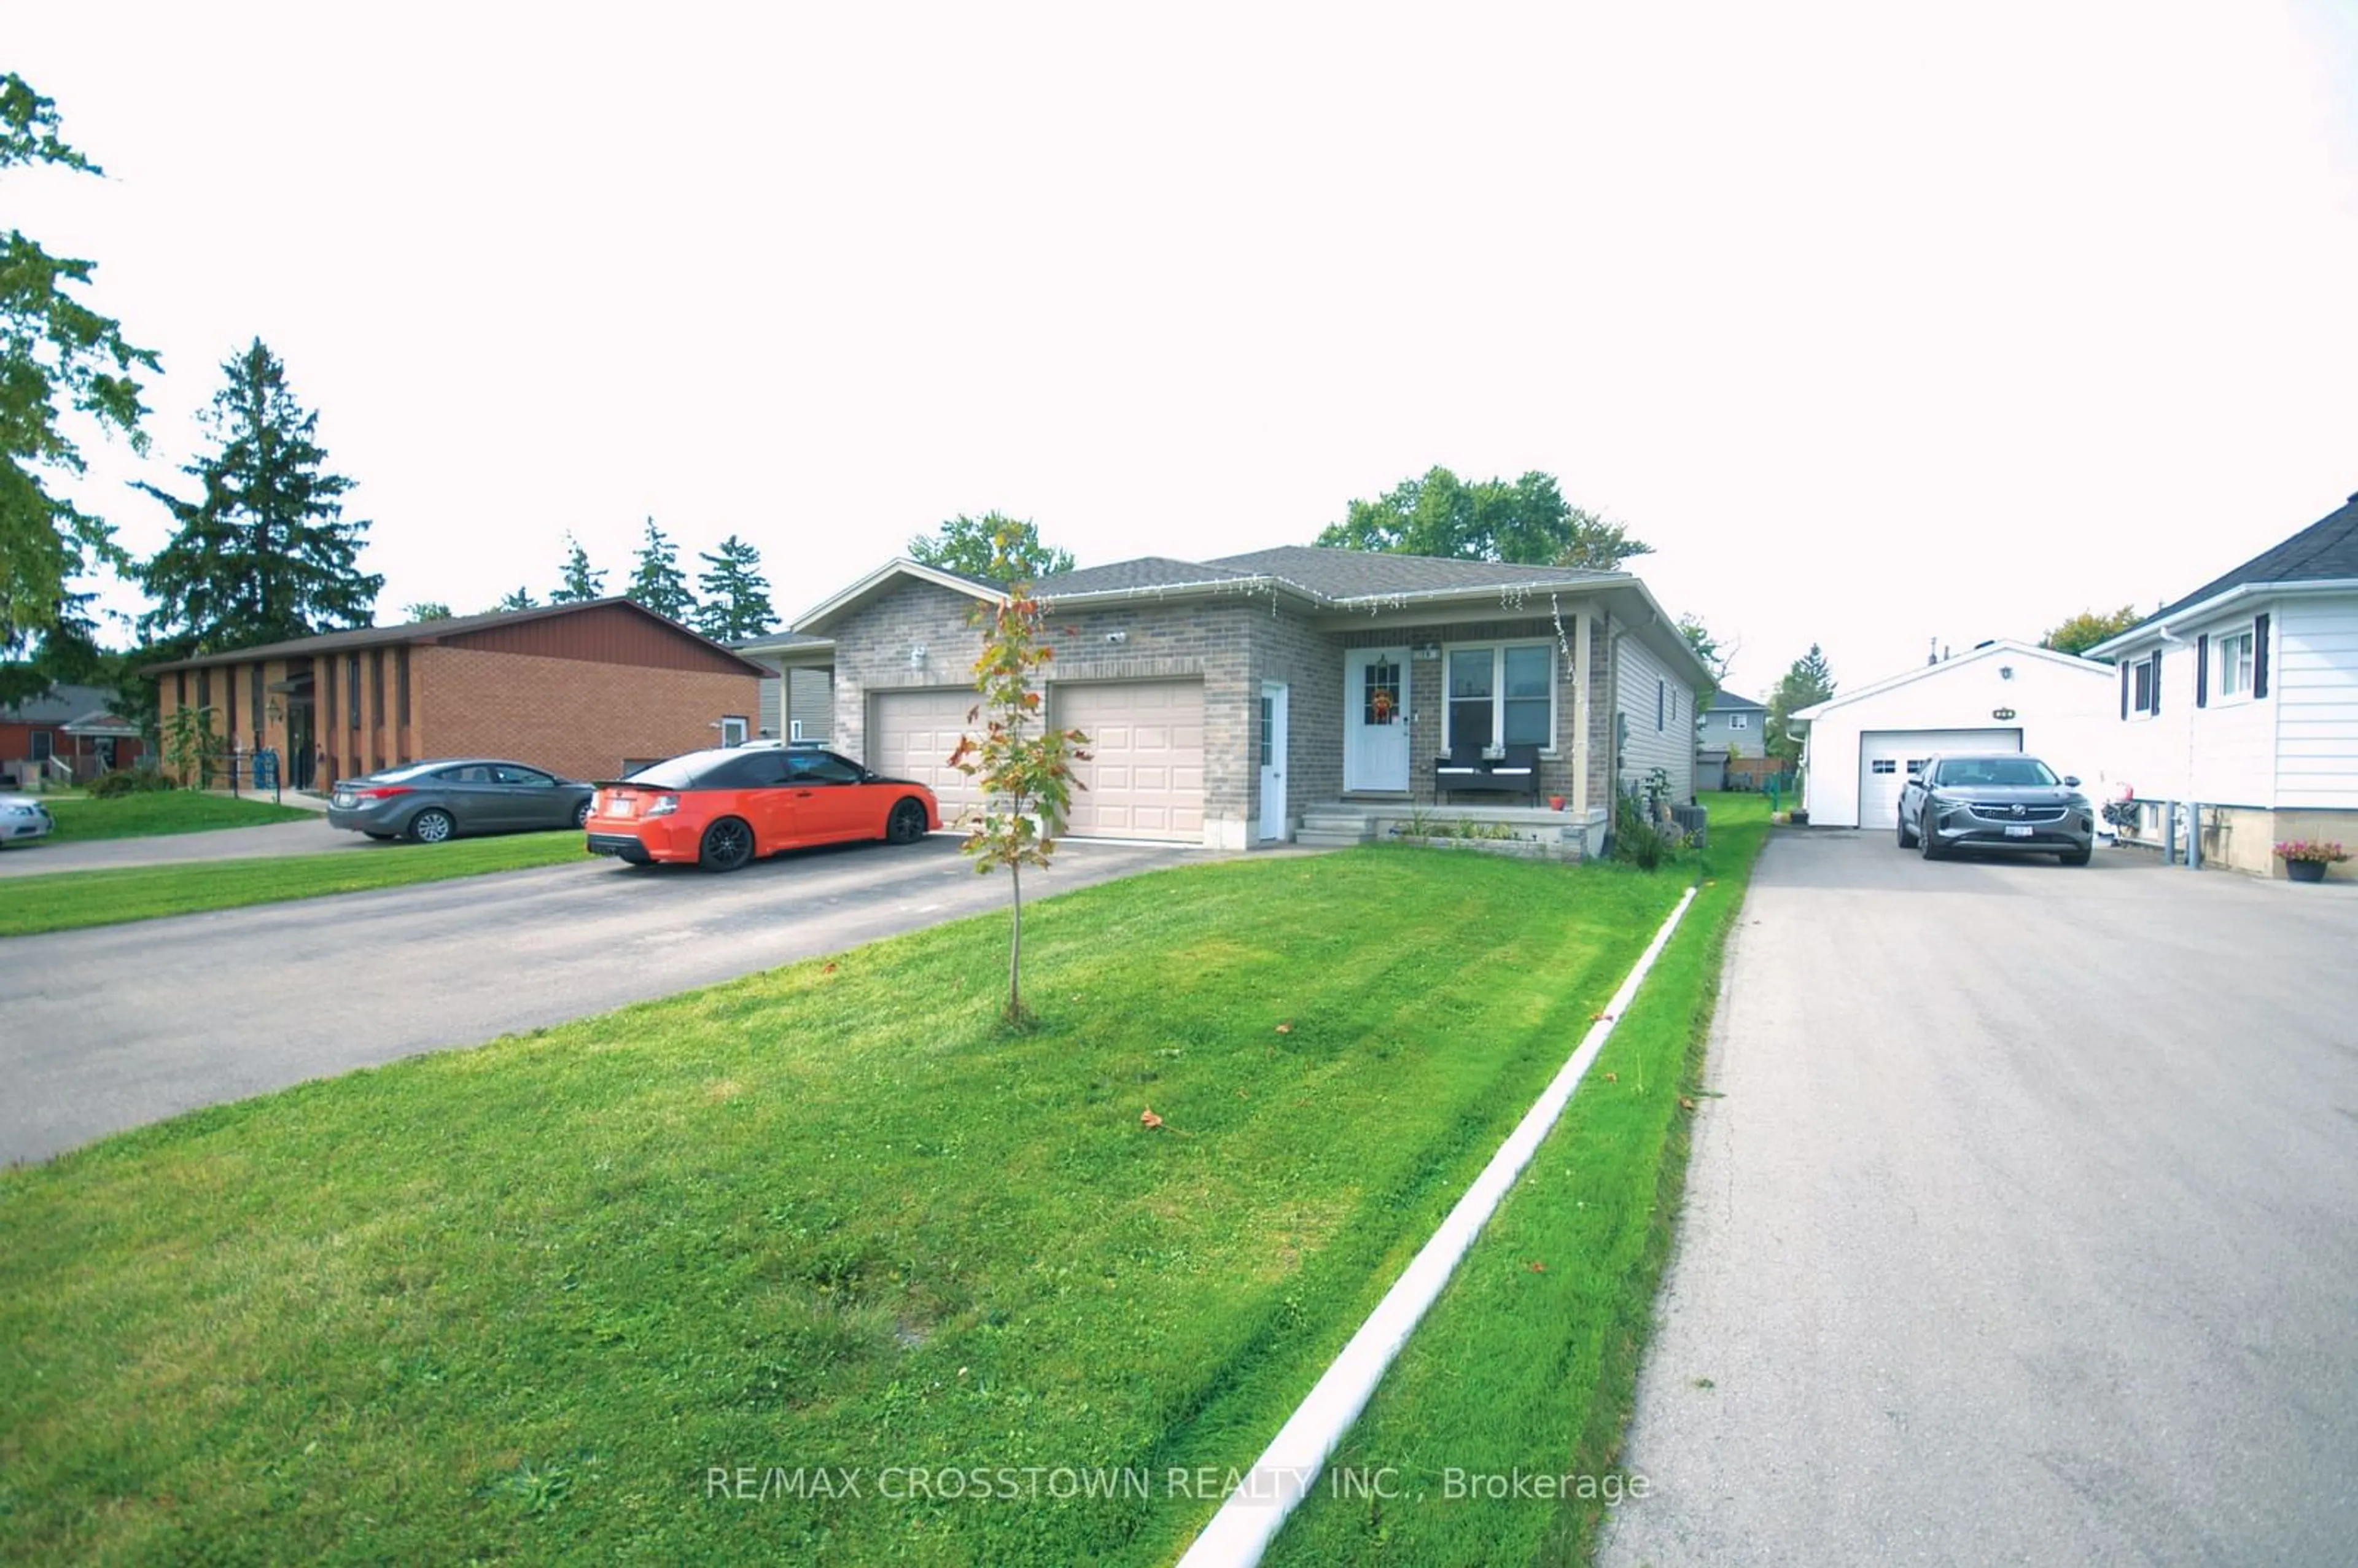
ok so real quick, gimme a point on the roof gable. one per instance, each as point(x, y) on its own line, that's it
point(453, 628)
point(2005, 647)
point(816, 620)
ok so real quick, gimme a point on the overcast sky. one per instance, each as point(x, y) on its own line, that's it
point(1882, 322)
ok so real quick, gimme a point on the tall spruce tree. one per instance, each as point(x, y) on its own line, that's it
point(658, 582)
point(56, 355)
point(264, 552)
point(1806, 683)
point(521, 598)
point(582, 581)
point(735, 596)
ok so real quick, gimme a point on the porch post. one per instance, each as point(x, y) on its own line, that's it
point(1581, 633)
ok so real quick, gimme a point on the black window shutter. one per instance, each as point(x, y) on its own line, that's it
point(2259, 655)
point(2124, 691)
point(2202, 671)
point(2157, 680)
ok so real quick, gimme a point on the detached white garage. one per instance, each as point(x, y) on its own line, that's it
point(2004, 696)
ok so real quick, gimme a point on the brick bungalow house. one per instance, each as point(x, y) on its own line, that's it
point(1230, 701)
point(74, 726)
point(579, 689)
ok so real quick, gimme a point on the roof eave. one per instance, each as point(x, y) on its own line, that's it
point(849, 599)
point(2160, 625)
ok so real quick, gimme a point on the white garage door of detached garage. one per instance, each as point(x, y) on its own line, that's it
point(916, 732)
point(1886, 757)
point(1145, 772)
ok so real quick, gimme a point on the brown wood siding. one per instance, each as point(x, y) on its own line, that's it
point(607, 635)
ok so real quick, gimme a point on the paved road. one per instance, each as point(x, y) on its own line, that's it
point(2027, 1231)
point(111, 1028)
point(312, 838)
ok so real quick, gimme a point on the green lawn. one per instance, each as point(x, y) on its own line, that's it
point(523, 1301)
point(81, 820)
point(72, 899)
point(1527, 1366)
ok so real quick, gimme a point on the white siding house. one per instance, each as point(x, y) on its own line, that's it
point(2242, 700)
point(1657, 709)
point(2004, 696)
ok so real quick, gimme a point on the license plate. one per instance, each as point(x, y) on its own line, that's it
point(2013, 831)
point(343, 799)
point(620, 807)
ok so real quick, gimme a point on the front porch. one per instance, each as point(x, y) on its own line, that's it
point(1536, 832)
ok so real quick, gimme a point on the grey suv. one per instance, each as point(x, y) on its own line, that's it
point(2001, 802)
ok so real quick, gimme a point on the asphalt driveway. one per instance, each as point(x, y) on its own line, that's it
point(2026, 1230)
point(116, 1026)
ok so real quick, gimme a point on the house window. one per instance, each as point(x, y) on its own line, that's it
point(1661, 694)
point(43, 743)
point(1884, 766)
point(1739, 722)
point(732, 731)
point(254, 718)
point(401, 686)
point(2235, 664)
point(2141, 685)
point(352, 687)
point(1269, 728)
point(1502, 696)
point(1380, 693)
point(1915, 767)
point(205, 689)
point(795, 730)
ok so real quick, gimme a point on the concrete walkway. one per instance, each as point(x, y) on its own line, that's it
point(312, 838)
point(2026, 1231)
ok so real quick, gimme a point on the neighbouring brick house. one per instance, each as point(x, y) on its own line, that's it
point(72, 726)
point(1231, 701)
point(579, 689)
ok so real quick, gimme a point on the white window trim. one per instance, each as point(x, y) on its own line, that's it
point(2137, 714)
point(1498, 690)
point(742, 731)
point(794, 729)
point(1739, 722)
point(2221, 644)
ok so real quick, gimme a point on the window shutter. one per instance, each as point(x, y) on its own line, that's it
point(2202, 671)
point(2157, 680)
point(2259, 655)
point(2125, 693)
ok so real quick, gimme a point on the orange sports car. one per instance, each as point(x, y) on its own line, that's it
point(722, 808)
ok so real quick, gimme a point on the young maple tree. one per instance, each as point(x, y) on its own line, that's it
point(1023, 765)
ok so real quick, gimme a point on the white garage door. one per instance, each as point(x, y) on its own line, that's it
point(1145, 775)
point(1886, 757)
point(915, 733)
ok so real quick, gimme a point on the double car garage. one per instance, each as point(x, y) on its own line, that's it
point(1144, 778)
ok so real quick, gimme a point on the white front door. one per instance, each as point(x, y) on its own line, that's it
point(1374, 718)
point(1271, 744)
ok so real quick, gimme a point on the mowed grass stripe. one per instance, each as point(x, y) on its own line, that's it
point(517, 1301)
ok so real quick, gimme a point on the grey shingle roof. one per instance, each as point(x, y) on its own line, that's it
point(2326, 549)
point(62, 705)
point(1146, 571)
point(1352, 574)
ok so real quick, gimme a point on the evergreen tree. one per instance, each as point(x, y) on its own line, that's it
point(427, 610)
point(56, 353)
point(1805, 684)
point(735, 596)
point(521, 598)
point(264, 552)
point(582, 581)
point(658, 583)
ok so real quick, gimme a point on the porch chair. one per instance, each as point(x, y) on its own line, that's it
point(1520, 769)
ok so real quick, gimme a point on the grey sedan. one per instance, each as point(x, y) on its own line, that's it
point(2001, 802)
point(23, 819)
point(433, 801)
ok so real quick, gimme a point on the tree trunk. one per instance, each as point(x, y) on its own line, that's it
point(1015, 950)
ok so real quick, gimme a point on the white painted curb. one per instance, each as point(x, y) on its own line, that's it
point(1248, 1520)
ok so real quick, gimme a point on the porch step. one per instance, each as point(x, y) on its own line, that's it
point(1334, 828)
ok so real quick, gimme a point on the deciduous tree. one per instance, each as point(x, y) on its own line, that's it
point(2088, 627)
point(57, 357)
point(427, 610)
point(972, 545)
point(521, 598)
point(1021, 764)
point(1528, 522)
point(1706, 646)
point(264, 553)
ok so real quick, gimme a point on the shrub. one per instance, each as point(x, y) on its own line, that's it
point(128, 780)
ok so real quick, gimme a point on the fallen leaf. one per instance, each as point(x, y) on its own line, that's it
point(1285, 1028)
point(1685, 1104)
point(1150, 1119)
point(1537, 1267)
point(1612, 1077)
point(1240, 1094)
point(828, 971)
point(1600, 1018)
